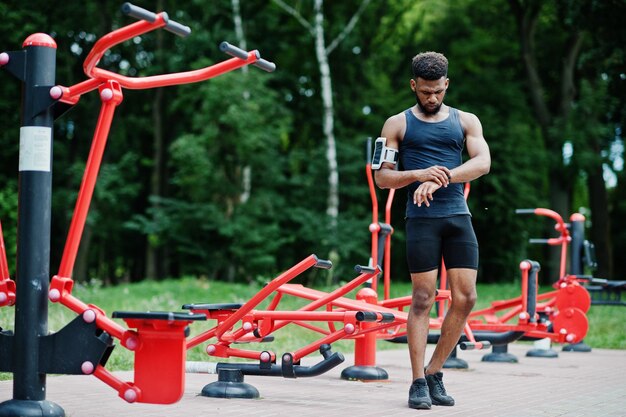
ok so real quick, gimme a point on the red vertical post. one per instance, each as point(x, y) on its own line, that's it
point(365, 368)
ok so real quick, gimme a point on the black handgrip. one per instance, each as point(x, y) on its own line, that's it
point(138, 12)
point(525, 211)
point(177, 28)
point(232, 50)
point(366, 316)
point(473, 345)
point(323, 264)
point(387, 317)
point(538, 241)
point(368, 150)
point(265, 65)
point(374, 316)
point(360, 269)
point(141, 13)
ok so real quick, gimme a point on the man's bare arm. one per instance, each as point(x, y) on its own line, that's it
point(479, 163)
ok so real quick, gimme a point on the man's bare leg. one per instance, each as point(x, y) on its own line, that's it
point(423, 297)
point(463, 289)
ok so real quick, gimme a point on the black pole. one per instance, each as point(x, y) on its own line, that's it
point(577, 231)
point(33, 246)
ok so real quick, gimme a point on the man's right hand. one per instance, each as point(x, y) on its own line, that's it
point(437, 174)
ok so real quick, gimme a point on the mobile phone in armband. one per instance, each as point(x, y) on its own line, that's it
point(383, 154)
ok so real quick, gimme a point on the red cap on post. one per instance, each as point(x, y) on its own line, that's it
point(40, 39)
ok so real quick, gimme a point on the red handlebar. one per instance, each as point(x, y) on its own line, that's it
point(561, 227)
point(98, 76)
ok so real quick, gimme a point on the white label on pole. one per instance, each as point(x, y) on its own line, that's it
point(35, 148)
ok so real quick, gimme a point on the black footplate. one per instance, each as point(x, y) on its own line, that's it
point(156, 315)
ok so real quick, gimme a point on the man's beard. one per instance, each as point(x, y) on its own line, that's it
point(426, 111)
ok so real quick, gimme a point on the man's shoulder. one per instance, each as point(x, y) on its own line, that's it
point(465, 115)
point(394, 127)
point(397, 120)
point(398, 116)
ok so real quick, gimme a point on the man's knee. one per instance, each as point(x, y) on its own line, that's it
point(422, 302)
point(464, 301)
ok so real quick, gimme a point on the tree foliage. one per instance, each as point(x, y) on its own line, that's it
point(229, 179)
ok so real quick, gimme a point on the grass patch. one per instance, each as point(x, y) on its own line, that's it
point(606, 323)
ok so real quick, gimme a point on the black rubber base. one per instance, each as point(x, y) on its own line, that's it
point(364, 373)
point(504, 357)
point(229, 384)
point(455, 363)
point(28, 408)
point(577, 347)
point(542, 353)
point(501, 354)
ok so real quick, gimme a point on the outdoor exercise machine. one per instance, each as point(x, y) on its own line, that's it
point(558, 315)
point(84, 345)
point(505, 321)
point(363, 319)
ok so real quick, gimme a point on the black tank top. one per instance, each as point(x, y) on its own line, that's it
point(426, 144)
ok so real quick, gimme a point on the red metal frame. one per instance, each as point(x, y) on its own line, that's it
point(7, 285)
point(153, 341)
point(336, 305)
point(565, 307)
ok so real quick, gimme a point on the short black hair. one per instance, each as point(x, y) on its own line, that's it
point(430, 66)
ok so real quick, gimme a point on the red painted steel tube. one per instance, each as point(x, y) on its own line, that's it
point(4, 266)
point(305, 315)
point(125, 390)
point(387, 261)
point(265, 292)
point(365, 347)
point(72, 94)
point(525, 267)
point(341, 302)
point(141, 27)
point(7, 285)
point(196, 340)
point(118, 36)
point(311, 327)
point(374, 226)
point(241, 353)
point(515, 311)
point(312, 347)
point(91, 174)
point(177, 78)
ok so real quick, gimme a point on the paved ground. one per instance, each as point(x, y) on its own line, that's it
point(574, 385)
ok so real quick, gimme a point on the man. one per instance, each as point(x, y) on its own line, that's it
point(430, 137)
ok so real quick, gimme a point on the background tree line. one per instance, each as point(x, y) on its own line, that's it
point(236, 178)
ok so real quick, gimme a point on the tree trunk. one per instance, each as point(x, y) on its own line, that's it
point(246, 177)
point(332, 205)
point(560, 182)
point(600, 222)
point(154, 259)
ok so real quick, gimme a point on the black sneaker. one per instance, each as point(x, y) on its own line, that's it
point(437, 390)
point(418, 395)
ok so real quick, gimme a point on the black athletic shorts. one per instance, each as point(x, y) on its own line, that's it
point(430, 239)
